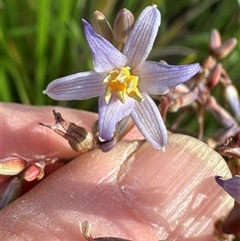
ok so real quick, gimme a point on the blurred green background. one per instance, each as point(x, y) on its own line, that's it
point(42, 40)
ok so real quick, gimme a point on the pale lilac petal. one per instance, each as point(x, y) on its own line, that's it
point(110, 114)
point(105, 56)
point(107, 146)
point(147, 118)
point(141, 39)
point(231, 186)
point(158, 79)
point(78, 86)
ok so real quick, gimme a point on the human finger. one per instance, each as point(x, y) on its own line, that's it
point(134, 192)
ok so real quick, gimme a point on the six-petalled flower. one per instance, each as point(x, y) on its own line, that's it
point(124, 80)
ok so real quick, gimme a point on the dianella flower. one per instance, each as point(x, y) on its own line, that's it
point(231, 186)
point(124, 80)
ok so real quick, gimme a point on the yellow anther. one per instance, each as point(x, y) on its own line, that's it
point(136, 95)
point(121, 95)
point(132, 82)
point(108, 94)
point(112, 75)
point(122, 83)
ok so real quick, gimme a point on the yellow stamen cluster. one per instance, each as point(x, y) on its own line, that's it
point(123, 84)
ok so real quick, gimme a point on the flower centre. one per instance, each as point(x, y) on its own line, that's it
point(123, 84)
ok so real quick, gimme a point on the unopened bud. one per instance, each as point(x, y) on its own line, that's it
point(234, 165)
point(33, 172)
point(214, 76)
point(226, 48)
point(101, 25)
point(9, 191)
point(12, 165)
point(209, 62)
point(180, 90)
point(123, 25)
point(183, 100)
point(231, 149)
point(230, 152)
point(163, 62)
point(232, 97)
point(220, 114)
point(215, 40)
point(79, 138)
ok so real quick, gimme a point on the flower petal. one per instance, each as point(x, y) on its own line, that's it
point(78, 86)
point(231, 186)
point(110, 114)
point(147, 118)
point(141, 39)
point(158, 79)
point(105, 56)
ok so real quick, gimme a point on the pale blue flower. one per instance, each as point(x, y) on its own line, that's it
point(231, 186)
point(124, 80)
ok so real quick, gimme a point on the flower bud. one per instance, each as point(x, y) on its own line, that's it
point(33, 172)
point(101, 25)
point(180, 90)
point(226, 48)
point(234, 164)
point(229, 151)
point(183, 100)
point(232, 97)
point(215, 40)
point(163, 62)
point(9, 191)
point(79, 138)
point(12, 165)
point(123, 25)
point(220, 114)
point(209, 62)
point(214, 76)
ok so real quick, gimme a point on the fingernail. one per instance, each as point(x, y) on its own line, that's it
point(151, 169)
